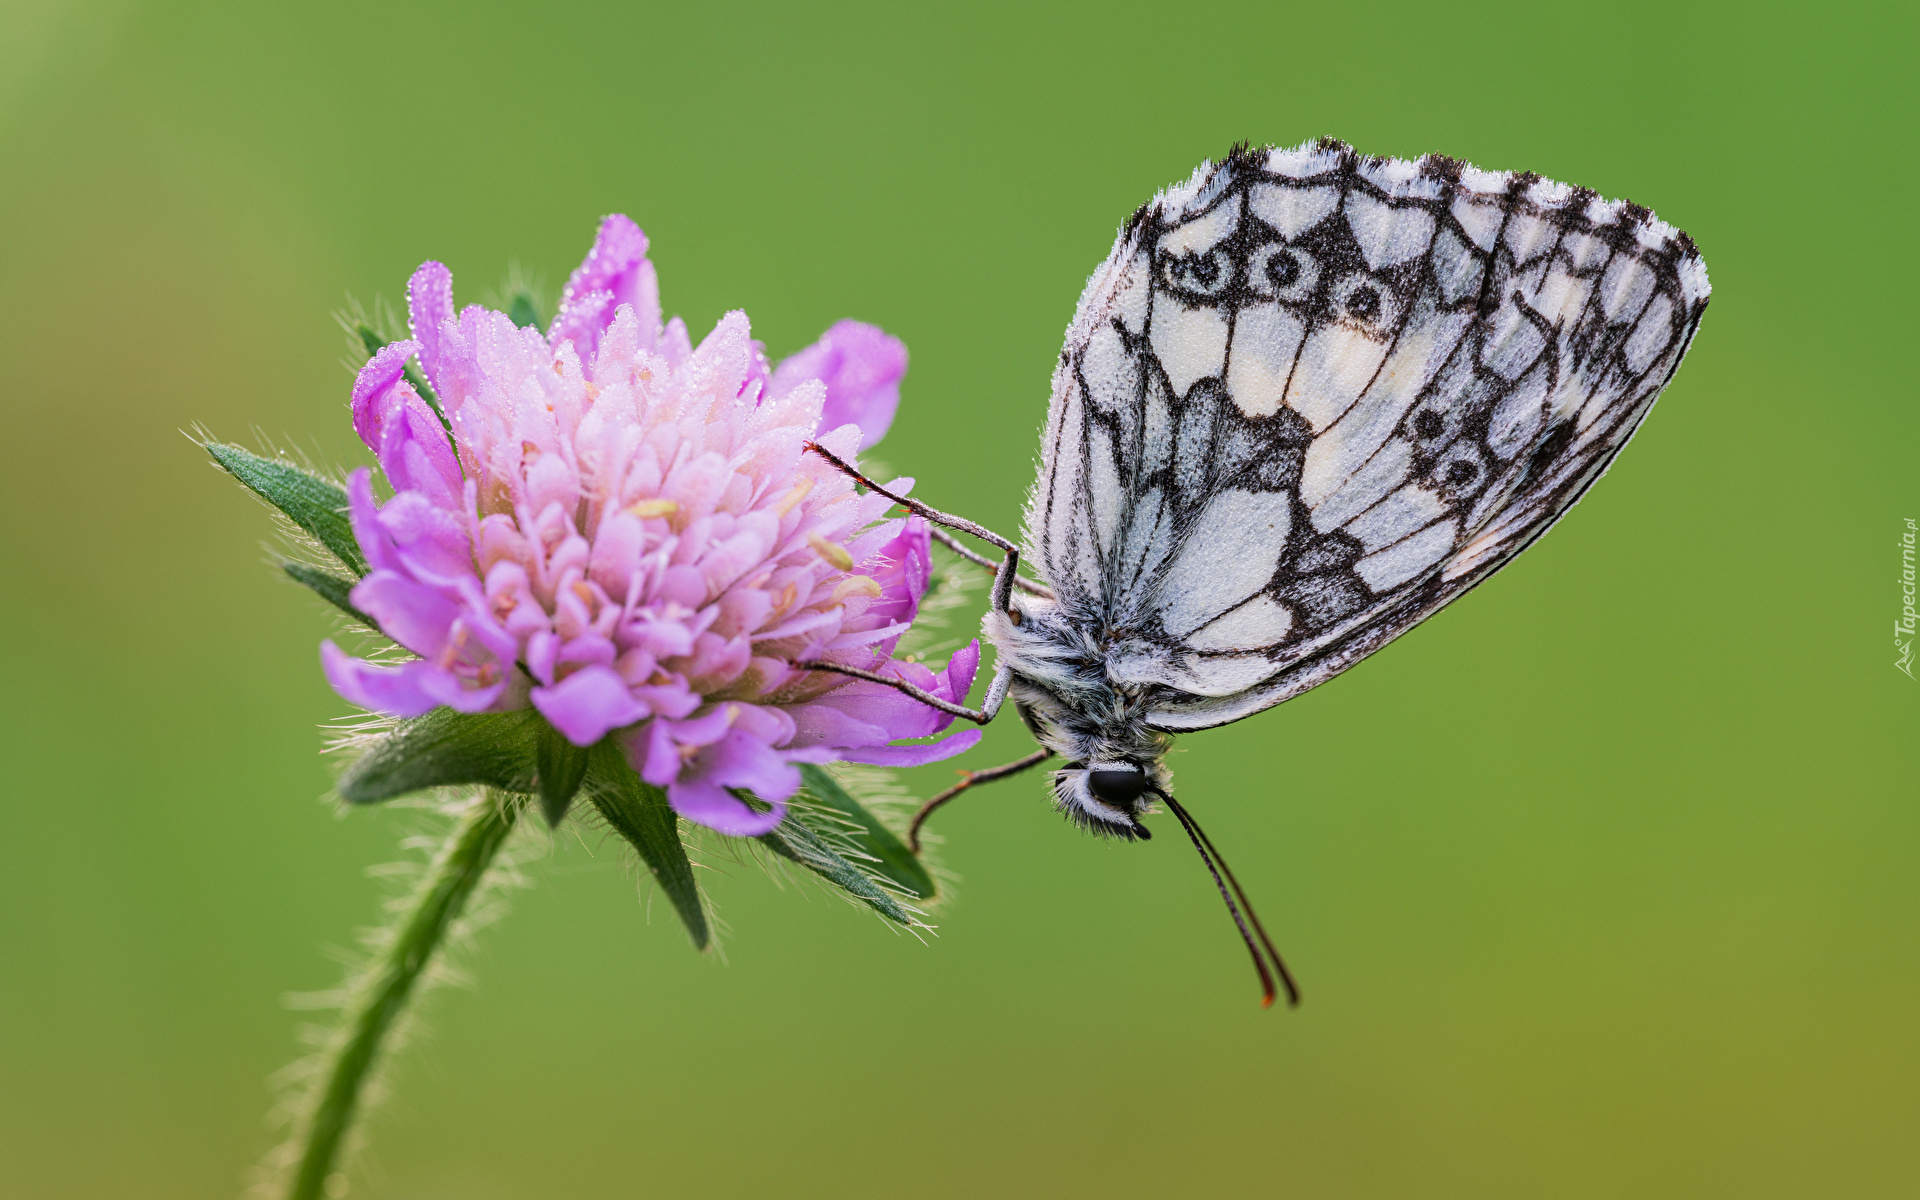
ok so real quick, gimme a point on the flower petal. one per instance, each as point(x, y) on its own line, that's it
point(408, 690)
point(430, 541)
point(364, 515)
point(916, 756)
point(414, 452)
point(707, 803)
point(429, 308)
point(615, 273)
point(862, 367)
point(417, 616)
point(385, 369)
point(830, 725)
point(587, 704)
point(905, 570)
point(957, 678)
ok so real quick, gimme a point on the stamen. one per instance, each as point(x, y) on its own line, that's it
point(833, 552)
point(794, 496)
point(658, 507)
point(454, 645)
point(856, 585)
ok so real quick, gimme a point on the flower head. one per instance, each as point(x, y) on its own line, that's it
point(626, 532)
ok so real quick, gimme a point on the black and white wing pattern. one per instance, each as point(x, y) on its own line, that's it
point(1313, 396)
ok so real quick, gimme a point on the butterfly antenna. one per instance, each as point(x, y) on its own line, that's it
point(1279, 964)
point(1217, 867)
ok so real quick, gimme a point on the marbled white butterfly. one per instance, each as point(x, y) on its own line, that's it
point(1310, 398)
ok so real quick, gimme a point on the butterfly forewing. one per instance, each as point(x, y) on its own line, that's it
point(1311, 397)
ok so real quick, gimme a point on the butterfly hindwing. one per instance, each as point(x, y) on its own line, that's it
point(1312, 397)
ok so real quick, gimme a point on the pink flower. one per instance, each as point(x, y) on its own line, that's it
point(632, 539)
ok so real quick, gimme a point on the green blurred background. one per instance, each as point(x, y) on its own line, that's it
point(1600, 885)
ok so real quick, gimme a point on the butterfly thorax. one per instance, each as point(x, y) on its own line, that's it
point(1062, 688)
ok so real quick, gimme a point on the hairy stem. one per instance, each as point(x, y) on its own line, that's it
point(380, 996)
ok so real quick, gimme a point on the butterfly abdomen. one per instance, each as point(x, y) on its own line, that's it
point(1062, 684)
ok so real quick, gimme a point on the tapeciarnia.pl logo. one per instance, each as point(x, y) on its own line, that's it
point(1903, 627)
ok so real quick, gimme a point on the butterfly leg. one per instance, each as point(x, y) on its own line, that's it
point(996, 689)
point(968, 779)
point(973, 556)
point(1004, 581)
point(1005, 577)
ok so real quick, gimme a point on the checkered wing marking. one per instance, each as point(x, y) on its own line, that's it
point(1312, 397)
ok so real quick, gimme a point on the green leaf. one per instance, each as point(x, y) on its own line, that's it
point(639, 812)
point(312, 503)
point(892, 858)
point(794, 840)
point(562, 767)
point(522, 311)
point(445, 748)
point(335, 589)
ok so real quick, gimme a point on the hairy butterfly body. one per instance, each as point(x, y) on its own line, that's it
point(1310, 398)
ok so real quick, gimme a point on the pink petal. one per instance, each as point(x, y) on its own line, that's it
point(587, 704)
point(958, 676)
point(675, 346)
point(408, 690)
point(364, 516)
point(615, 273)
point(709, 804)
point(862, 367)
point(429, 307)
point(829, 725)
point(650, 751)
point(430, 542)
point(916, 756)
point(370, 387)
point(417, 616)
point(414, 452)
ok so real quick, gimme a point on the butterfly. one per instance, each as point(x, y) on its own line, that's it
point(1310, 398)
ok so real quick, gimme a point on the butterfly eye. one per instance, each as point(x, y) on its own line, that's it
point(1204, 274)
point(1119, 789)
point(1282, 272)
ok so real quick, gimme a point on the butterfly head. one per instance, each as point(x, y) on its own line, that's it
point(1108, 797)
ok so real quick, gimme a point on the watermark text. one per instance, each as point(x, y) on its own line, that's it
point(1903, 626)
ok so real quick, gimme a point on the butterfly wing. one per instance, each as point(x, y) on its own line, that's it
point(1312, 397)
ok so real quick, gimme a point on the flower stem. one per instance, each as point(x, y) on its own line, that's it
point(380, 996)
